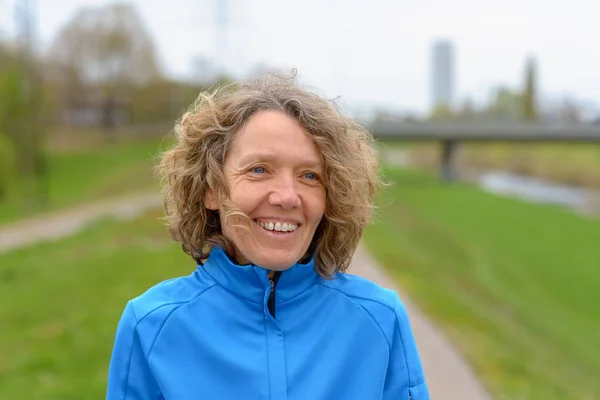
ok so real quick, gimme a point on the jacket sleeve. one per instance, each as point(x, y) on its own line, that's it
point(404, 361)
point(129, 377)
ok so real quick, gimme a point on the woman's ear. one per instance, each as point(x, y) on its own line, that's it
point(210, 200)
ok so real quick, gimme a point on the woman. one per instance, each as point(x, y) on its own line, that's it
point(268, 187)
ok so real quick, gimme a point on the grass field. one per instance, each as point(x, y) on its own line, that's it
point(515, 285)
point(88, 173)
point(60, 303)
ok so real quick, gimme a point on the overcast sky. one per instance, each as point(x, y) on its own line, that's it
point(377, 51)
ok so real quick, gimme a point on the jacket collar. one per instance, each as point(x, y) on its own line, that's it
point(251, 281)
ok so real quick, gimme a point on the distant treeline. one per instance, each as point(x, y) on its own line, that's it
point(101, 71)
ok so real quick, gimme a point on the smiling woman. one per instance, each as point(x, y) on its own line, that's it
point(272, 172)
point(268, 188)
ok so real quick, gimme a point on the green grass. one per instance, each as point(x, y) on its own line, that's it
point(60, 303)
point(515, 285)
point(91, 173)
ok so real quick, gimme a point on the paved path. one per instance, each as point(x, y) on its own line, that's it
point(62, 223)
point(448, 375)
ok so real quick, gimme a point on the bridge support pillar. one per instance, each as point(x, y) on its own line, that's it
point(447, 168)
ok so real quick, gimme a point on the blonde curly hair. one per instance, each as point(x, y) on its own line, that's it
point(205, 133)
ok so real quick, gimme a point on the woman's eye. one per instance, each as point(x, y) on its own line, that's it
point(310, 175)
point(258, 170)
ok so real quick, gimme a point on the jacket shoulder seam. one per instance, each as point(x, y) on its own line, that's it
point(131, 351)
point(386, 305)
point(402, 343)
point(353, 299)
point(179, 304)
point(158, 307)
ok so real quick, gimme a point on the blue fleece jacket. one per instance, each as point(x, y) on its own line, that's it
point(220, 334)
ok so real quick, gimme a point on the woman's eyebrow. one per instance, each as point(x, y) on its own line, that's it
point(312, 164)
point(258, 156)
point(268, 156)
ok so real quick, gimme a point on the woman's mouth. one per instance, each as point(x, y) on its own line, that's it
point(278, 226)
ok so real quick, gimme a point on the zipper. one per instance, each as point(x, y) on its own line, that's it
point(271, 302)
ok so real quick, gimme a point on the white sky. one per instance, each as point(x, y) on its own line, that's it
point(374, 52)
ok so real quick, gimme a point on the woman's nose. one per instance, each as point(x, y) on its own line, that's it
point(284, 194)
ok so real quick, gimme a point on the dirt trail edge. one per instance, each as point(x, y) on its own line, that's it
point(62, 223)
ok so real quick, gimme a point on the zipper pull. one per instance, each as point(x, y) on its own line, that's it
point(271, 302)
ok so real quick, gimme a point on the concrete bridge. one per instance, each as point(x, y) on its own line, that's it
point(449, 135)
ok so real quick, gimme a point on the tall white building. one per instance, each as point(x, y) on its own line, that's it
point(442, 74)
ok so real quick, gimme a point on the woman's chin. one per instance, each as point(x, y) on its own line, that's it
point(276, 263)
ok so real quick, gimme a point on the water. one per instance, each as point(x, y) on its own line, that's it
point(526, 188)
point(534, 190)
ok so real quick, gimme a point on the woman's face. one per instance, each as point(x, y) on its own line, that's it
point(274, 171)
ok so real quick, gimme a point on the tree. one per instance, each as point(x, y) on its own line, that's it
point(7, 101)
point(505, 105)
point(104, 54)
point(20, 124)
point(6, 164)
point(529, 92)
point(442, 113)
point(569, 111)
point(467, 112)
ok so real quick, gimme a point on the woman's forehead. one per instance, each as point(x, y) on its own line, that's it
point(270, 136)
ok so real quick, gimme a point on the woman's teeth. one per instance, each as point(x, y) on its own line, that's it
point(278, 226)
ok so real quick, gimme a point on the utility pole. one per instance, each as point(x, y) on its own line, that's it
point(221, 31)
point(3, 8)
